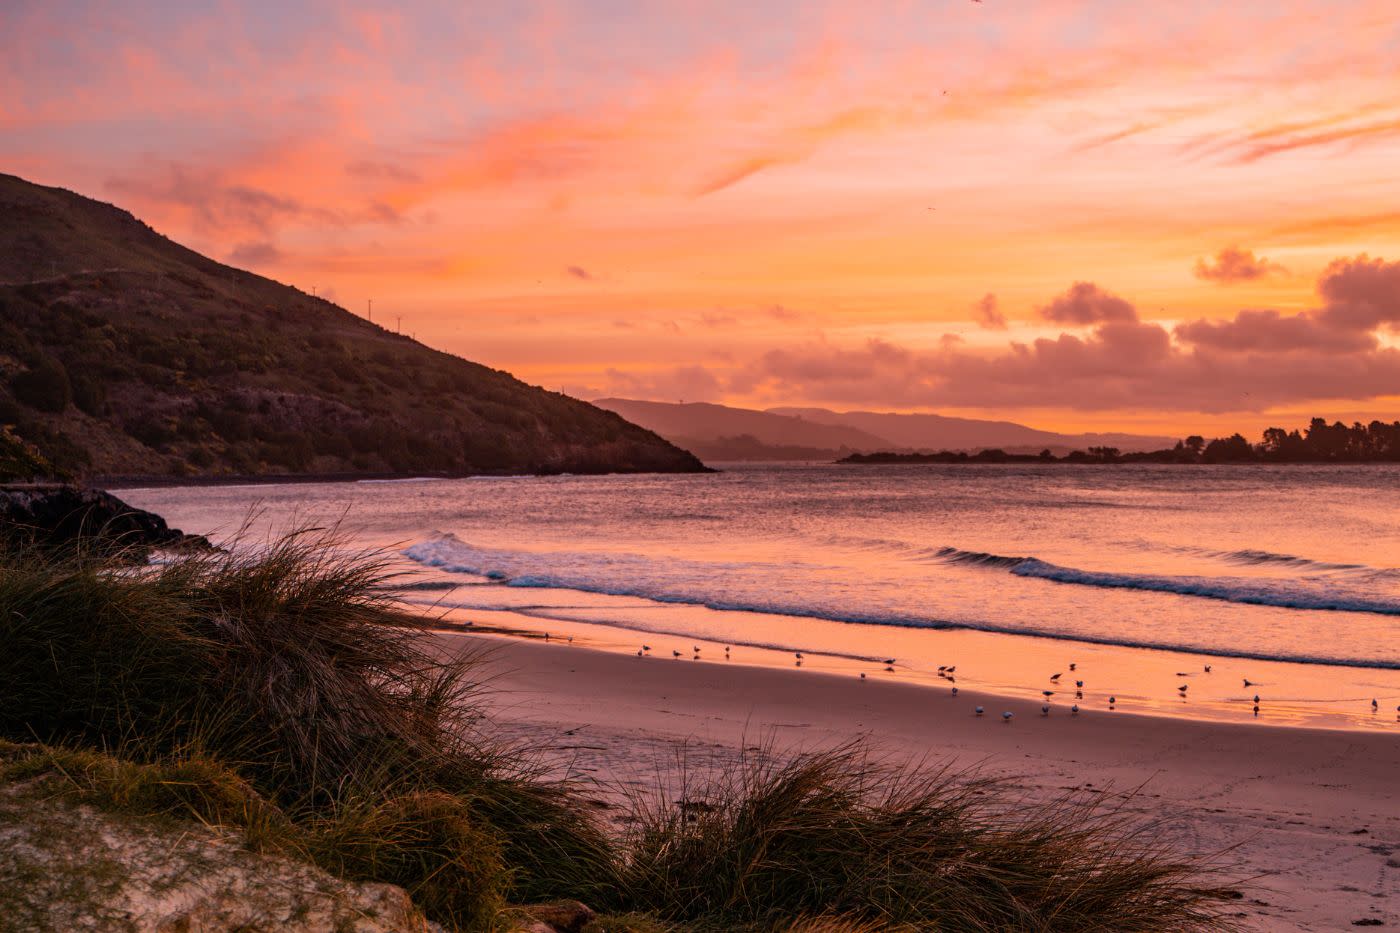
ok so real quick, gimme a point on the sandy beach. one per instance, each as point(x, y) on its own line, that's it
point(1312, 815)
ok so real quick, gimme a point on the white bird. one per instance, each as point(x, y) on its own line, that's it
point(1005, 717)
point(1074, 710)
point(979, 711)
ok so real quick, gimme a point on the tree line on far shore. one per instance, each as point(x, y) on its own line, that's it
point(1319, 442)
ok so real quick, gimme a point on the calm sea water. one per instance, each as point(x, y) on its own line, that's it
point(1298, 564)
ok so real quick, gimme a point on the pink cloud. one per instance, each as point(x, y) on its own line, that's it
point(1086, 303)
point(1232, 265)
point(988, 316)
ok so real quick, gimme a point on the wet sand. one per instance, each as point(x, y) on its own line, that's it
point(1314, 814)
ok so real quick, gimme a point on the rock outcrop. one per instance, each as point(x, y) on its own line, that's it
point(58, 515)
point(68, 866)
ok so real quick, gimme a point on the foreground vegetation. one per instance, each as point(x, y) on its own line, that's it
point(277, 692)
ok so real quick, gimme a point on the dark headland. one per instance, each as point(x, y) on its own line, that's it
point(124, 355)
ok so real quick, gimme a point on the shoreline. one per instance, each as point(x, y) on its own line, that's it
point(1014, 667)
point(1311, 812)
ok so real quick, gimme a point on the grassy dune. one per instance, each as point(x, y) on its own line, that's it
point(277, 691)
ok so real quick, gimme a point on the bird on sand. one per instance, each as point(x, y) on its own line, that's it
point(675, 654)
point(1054, 676)
point(889, 668)
point(891, 661)
point(1112, 700)
point(1047, 693)
point(1074, 710)
point(1074, 667)
point(1248, 682)
point(1182, 689)
point(1375, 706)
point(1256, 698)
point(862, 676)
point(798, 655)
point(1006, 717)
point(639, 652)
point(1045, 710)
point(978, 711)
point(646, 647)
point(1207, 668)
point(695, 648)
point(950, 670)
point(955, 691)
point(1079, 684)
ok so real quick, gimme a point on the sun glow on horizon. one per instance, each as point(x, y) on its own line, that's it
point(780, 204)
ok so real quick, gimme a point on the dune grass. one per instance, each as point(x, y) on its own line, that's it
point(276, 689)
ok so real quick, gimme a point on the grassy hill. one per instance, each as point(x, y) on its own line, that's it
point(124, 354)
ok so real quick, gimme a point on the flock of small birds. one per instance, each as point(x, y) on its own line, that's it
point(948, 672)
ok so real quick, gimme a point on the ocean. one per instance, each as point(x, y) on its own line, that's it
point(1289, 572)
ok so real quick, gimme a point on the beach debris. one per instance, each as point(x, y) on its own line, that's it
point(978, 711)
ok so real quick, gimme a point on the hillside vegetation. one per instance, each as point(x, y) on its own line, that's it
point(123, 353)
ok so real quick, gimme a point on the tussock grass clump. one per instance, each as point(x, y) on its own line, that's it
point(290, 664)
point(839, 836)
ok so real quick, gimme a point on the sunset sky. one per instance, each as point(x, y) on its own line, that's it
point(1175, 217)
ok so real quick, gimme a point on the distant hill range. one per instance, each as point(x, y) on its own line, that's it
point(124, 354)
point(719, 432)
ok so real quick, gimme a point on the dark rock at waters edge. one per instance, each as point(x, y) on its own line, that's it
point(56, 516)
